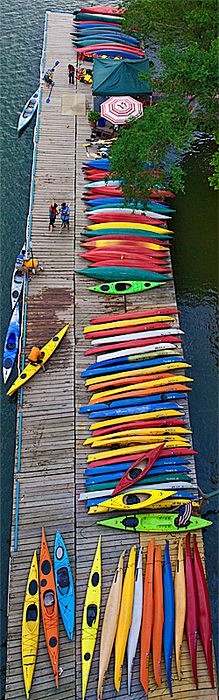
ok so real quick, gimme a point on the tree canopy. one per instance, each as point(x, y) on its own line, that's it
point(185, 34)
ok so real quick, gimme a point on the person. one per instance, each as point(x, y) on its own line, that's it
point(71, 74)
point(65, 214)
point(48, 77)
point(36, 357)
point(20, 262)
point(32, 264)
point(53, 211)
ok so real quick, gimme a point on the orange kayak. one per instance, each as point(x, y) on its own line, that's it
point(49, 606)
point(158, 615)
point(147, 617)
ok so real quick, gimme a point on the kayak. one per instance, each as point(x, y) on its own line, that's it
point(125, 617)
point(157, 348)
point(124, 451)
point(91, 614)
point(11, 344)
point(134, 500)
point(159, 332)
point(133, 243)
point(165, 341)
point(104, 408)
point(158, 621)
point(129, 409)
point(128, 216)
point(120, 377)
point(17, 283)
point(143, 313)
point(142, 425)
point(191, 609)
point(137, 357)
point(96, 371)
point(115, 201)
point(131, 273)
point(96, 16)
point(64, 585)
point(139, 263)
point(102, 183)
point(160, 384)
point(124, 252)
point(139, 226)
point(105, 10)
point(136, 619)
point(169, 613)
point(29, 110)
point(180, 606)
point(98, 497)
point(136, 414)
point(126, 210)
point(161, 466)
point(110, 622)
point(84, 28)
point(125, 287)
point(30, 625)
point(106, 47)
point(110, 326)
point(126, 235)
point(153, 522)
point(147, 617)
point(109, 37)
point(139, 434)
point(204, 611)
point(30, 370)
point(49, 606)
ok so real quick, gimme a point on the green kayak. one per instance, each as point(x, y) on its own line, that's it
point(154, 522)
point(92, 233)
point(132, 273)
point(157, 479)
point(125, 287)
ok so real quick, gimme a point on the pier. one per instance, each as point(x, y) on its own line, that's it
point(50, 457)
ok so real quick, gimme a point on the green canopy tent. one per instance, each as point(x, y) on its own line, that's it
point(112, 77)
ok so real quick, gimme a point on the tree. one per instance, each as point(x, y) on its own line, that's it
point(185, 31)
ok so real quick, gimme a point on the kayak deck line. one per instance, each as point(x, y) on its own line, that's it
point(50, 458)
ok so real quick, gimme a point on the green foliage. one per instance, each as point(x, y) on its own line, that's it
point(214, 179)
point(93, 115)
point(186, 33)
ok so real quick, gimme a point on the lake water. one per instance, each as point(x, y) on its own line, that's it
point(194, 260)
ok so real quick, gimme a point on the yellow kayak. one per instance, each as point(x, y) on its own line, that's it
point(125, 617)
point(131, 500)
point(102, 243)
point(91, 616)
point(180, 605)
point(134, 438)
point(30, 370)
point(30, 625)
point(128, 224)
point(171, 379)
point(110, 622)
point(138, 432)
point(167, 413)
point(135, 373)
point(129, 450)
point(129, 322)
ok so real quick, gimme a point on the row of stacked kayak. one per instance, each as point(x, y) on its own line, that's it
point(49, 588)
point(100, 33)
point(154, 609)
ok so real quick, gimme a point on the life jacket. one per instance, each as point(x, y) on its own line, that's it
point(35, 355)
point(52, 210)
point(71, 68)
point(65, 213)
point(31, 263)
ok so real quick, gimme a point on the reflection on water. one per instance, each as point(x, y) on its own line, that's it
point(194, 259)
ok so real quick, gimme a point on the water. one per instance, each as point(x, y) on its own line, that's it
point(194, 257)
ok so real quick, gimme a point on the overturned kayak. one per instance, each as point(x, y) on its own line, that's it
point(136, 619)
point(131, 273)
point(11, 344)
point(110, 622)
point(125, 617)
point(154, 522)
point(29, 110)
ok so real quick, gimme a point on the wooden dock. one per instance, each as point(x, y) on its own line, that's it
point(50, 457)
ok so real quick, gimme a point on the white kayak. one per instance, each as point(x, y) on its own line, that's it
point(103, 183)
point(11, 344)
point(17, 282)
point(110, 622)
point(136, 619)
point(130, 211)
point(136, 336)
point(29, 110)
point(137, 350)
point(168, 486)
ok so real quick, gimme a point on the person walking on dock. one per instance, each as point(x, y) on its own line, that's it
point(53, 211)
point(36, 357)
point(65, 215)
point(71, 74)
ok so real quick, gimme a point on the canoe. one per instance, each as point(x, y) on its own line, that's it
point(110, 622)
point(130, 501)
point(169, 613)
point(147, 617)
point(125, 617)
point(30, 370)
point(124, 273)
point(136, 619)
point(11, 344)
point(29, 110)
point(49, 606)
point(64, 584)
point(115, 241)
point(125, 287)
point(153, 522)
point(158, 620)
point(204, 611)
point(30, 625)
point(17, 282)
point(91, 614)
point(191, 608)
point(94, 372)
point(117, 224)
point(127, 210)
point(180, 605)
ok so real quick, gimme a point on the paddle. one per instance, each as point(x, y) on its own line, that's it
point(50, 92)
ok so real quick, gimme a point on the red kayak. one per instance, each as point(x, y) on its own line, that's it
point(204, 612)
point(191, 609)
point(102, 10)
point(125, 253)
point(138, 470)
point(130, 243)
point(80, 23)
point(112, 47)
point(129, 329)
point(156, 423)
point(134, 344)
point(131, 218)
point(156, 311)
point(106, 190)
point(93, 175)
point(175, 451)
point(141, 265)
point(147, 617)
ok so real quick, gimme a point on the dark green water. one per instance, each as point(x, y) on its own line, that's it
point(195, 268)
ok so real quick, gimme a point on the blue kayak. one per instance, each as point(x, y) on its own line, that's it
point(116, 476)
point(101, 163)
point(95, 37)
point(129, 411)
point(112, 53)
point(64, 585)
point(108, 364)
point(138, 401)
point(11, 344)
point(84, 28)
point(161, 463)
point(140, 233)
point(95, 371)
point(169, 615)
point(112, 202)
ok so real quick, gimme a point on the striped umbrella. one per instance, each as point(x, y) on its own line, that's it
point(118, 109)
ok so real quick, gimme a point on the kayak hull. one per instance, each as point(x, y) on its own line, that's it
point(125, 617)
point(11, 344)
point(110, 622)
point(64, 585)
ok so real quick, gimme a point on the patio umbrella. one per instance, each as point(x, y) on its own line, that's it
point(118, 109)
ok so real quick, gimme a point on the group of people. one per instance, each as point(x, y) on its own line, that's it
point(54, 211)
point(84, 75)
